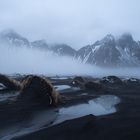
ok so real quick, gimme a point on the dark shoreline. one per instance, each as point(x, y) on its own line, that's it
point(124, 124)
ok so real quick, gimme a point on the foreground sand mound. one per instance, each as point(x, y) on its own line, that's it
point(9, 84)
point(35, 88)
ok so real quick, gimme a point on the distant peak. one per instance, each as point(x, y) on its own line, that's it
point(125, 40)
point(12, 37)
point(126, 36)
point(109, 37)
point(8, 31)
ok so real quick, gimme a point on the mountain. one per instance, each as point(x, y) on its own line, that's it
point(102, 53)
point(110, 52)
point(10, 37)
point(63, 50)
point(107, 52)
point(129, 50)
point(40, 44)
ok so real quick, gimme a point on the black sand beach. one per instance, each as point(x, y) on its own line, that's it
point(120, 125)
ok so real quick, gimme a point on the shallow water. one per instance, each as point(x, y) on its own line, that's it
point(65, 87)
point(99, 106)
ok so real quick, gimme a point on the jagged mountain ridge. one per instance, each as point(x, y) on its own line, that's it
point(107, 52)
point(112, 52)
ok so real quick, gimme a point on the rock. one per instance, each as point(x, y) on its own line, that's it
point(35, 88)
point(8, 83)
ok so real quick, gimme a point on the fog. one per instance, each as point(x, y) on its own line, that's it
point(29, 61)
point(32, 61)
point(74, 22)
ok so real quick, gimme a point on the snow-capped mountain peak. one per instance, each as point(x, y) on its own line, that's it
point(111, 52)
point(108, 38)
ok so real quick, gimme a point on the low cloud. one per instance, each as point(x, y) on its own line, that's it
point(28, 61)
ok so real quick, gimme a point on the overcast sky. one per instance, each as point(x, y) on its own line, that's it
point(75, 22)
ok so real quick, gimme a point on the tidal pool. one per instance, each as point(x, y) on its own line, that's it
point(100, 106)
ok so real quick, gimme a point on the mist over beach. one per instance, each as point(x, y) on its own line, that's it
point(69, 70)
